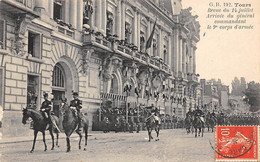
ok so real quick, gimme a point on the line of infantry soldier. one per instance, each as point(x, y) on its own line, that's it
point(75, 104)
point(227, 119)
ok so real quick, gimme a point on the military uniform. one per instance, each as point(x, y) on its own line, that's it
point(77, 103)
point(199, 113)
point(46, 107)
point(156, 114)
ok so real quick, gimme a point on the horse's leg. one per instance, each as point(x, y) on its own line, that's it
point(149, 134)
point(52, 138)
point(195, 132)
point(157, 132)
point(80, 137)
point(57, 139)
point(86, 137)
point(35, 136)
point(43, 139)
point(68, 143)
point(199, 131)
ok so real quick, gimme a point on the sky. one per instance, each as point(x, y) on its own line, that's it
point(225, 54)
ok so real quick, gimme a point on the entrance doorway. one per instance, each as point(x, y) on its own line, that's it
point(58, 87)
point(64, 82)
point(57, 97)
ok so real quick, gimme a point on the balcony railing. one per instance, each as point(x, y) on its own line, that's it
point(93, 38)
point(115, 45)
point(27, 3)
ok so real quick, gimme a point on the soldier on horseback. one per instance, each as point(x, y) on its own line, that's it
point(189, 113)
point(200, 114)
point(155, 112)
point(76, 104)
point(46, 108)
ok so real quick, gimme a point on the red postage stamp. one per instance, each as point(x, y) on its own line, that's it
point(237, 143)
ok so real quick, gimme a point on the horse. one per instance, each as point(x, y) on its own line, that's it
point(40, 124)
point(198, 124)
point(220, 120)
point(151, 124)
point(188, 123)
point(70, 123)
point(211, 122)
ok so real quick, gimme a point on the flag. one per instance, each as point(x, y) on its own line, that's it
point(149, 41)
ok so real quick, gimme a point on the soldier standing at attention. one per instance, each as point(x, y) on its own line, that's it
point(77, 103)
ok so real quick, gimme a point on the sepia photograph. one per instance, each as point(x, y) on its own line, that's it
point(129, 80)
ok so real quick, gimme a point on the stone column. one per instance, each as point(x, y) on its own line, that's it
point(135, 28)
point(50, 8)
point(104, 15)
point(123, 21)
point(172, 52)
point(138, 30)
point(180, 54)
point(98, 14)
point(184, 57)
point(79, 14)
point(73, 13)
point(160, 49)
point(194, 60)
point(176, 50)
point(191, 59)
point(66, 13)
point(148, 34)
point(118, 19)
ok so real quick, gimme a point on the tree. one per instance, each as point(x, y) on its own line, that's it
point(253, 96)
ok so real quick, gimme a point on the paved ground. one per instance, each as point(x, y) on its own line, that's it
point(174, 145)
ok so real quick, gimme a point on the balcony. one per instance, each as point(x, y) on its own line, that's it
point(97, 40)
point(127, 51)
point(18, 6)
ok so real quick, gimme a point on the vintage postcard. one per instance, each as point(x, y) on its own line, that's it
point(129, 80)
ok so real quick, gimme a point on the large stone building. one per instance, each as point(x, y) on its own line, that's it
point(99, 49)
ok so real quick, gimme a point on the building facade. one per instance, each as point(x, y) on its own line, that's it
point(215, 95)
point(99, 49)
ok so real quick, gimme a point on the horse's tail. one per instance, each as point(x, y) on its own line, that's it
point(56, 123)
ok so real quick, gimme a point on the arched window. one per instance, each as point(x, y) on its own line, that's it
point(58, 76)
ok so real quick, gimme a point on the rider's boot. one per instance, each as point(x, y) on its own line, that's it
point(79, 126)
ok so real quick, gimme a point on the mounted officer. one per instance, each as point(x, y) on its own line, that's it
point(189, 113)
point(76, 104)
point(46, 108)
point(200, 114)
point(155, 113)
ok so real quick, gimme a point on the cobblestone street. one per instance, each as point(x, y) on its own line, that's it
point(174, 145)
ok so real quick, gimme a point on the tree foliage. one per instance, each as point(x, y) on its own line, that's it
point(253, 96)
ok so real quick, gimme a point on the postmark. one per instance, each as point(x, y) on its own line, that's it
point(237, 143)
